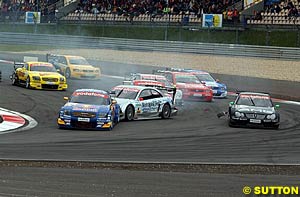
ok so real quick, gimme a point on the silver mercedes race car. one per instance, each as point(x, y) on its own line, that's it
point(139, 102)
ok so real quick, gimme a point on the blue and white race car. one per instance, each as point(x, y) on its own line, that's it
point(139, 102)
point(89, 109)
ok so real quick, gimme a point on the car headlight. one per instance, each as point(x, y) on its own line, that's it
point(67, 112)
point(272, 116)
point(223, 88)
point(239, 114)
point(102, 115)
point(62, 79)
point(36, 78)
point(76, 70)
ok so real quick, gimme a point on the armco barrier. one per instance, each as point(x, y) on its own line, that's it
point(150, 45)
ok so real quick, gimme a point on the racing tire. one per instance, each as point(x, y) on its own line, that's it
point(230, 123)
point(129, 113)
point(15, 79)
point(27, 84)
point(166, 111)
point(68, 73)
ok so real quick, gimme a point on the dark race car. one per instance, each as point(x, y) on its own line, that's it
point(253, 109)
point(89, 109)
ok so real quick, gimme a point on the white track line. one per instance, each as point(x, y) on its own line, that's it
point(14, 128)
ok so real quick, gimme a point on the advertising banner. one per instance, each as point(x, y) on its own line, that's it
point(212, 20)
point(33, 17)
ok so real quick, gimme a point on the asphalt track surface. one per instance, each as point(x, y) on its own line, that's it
point(195, 135)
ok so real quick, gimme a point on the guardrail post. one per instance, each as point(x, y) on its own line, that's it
point(237, 35)
point(268, 37)
point(298, 36)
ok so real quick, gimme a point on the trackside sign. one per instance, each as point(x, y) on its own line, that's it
point(32, 17)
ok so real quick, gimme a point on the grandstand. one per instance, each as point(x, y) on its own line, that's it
point(279, 13)
point(274, 12)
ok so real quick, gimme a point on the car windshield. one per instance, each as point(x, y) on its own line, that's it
point(127, 93)
point(205, 77)
point(90, 98)
point(186, 78)
point(43, 68)
point(253, 100)
point(78, 61)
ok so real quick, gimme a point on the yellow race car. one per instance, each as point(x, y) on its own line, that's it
point(38, 75)
point(74, 66)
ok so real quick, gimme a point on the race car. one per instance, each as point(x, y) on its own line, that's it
point(74, 66)
point(253, 109)
point(38, 75)
point(138, 102)
point(157, 81)
point(188, 83)
point(219, 89)
point(89, 109)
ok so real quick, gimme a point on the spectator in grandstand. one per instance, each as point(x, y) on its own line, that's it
point(157, 7)
point(293, 12)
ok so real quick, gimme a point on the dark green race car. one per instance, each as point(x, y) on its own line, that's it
point(253, 109)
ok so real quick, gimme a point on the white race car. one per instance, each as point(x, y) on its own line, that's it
point(139, 102)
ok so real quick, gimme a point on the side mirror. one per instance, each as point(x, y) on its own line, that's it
point(231, 103)
point(58, 70)
point(112, 92)
point(141, 99)
point(218, 80)
point(66, 98)
point(113, 101)
point(203, 82)
point(277, 106)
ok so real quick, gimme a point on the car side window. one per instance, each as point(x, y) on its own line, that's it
point(155, 94)
point(146, 94)
point(169, 77)
point(62, 60)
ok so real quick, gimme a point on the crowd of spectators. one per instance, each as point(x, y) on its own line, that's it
point(154, 7)
point(15, 8)
point(286, 5)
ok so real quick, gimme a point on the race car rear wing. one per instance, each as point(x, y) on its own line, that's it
point(167, 69)
point(159, 71)
point(242, 91)
point(52, 57)
point(18, 65)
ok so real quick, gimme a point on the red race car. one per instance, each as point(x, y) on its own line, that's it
point(188, 83)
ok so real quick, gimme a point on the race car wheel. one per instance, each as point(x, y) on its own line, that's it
point(27, 85)
point(15, 79)
point(231, 124)
point(68, 73)
point(129, 113)
point(166, 111)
